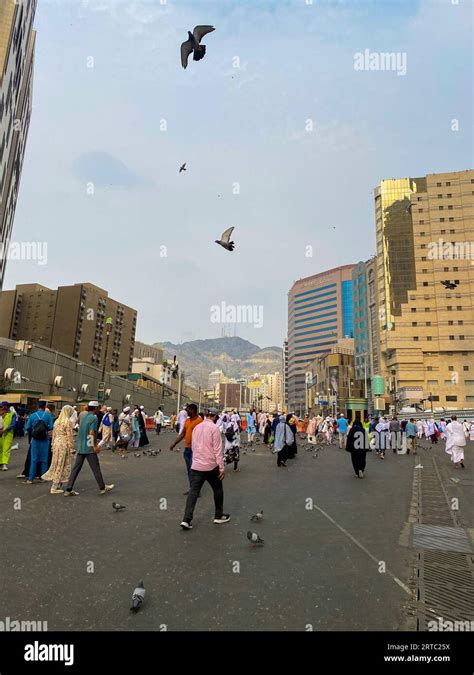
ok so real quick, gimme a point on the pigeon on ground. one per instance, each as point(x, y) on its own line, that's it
point(258, 515)
point(254, 538)
point(138, 597)
point(224, 240)
point(118, 507)
point(182, 168)
point(138, 454)
point(192, 44)
point(449, 285)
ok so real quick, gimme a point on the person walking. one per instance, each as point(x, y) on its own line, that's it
point(231, 444)
point(87, 448)
point(135, 424)
point(456, 440)
point(63, 449)
point(125, 432)
point(207, 465)
point(172, 423)
point(251, 428)
point(105, 428)
point(284, 439)
point(6, 434)
point(159, 418)
point(141, 416)
point(191, 421)
point(292, 448)
point(471, 431)
point(342, 425)
point(358, 445)
point(411, 431)
point(395, 434)
point(181, 419)
point(41, 425)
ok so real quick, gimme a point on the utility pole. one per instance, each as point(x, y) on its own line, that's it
point(199, 399)
point(179, 391)
point(108, 329)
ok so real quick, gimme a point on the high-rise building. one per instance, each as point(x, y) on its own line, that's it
point(366, 342)
point(319, 312)
point(144, 351)
point(425, 235)
point(215, 378)
point(71, 320)
point(275, 390)
point(17, 46)
point(285, 373)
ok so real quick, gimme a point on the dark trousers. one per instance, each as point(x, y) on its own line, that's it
point(434, 438)
point(93, 460)
point(198, 478)
point(283, 455)
point(158, 428)
point(358, 461)
point(188, 459)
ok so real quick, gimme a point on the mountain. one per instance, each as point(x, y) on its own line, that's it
point(235, 356)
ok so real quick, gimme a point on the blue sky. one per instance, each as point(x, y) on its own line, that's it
point(243, 125)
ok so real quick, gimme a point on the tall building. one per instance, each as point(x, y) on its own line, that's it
point(319, 312)
point(17, 46)
point(425, 235)
point(71, 320)
point(214, 379)
point(275, 390)
point(144, 351)
point(285, 373)
point(366, 342)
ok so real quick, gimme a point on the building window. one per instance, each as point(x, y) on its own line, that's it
point(422, 222)
point(451, 398)
point(450, 367)
point(414, 323)
point(425, 283)
point(461, 337)
point(429, 367)
point(450, 323)
point(451, 337)
point(428, 323)
point(438, 184)
point(415, 339)
point(424, 271)
point(429, 338)
point(445, 269)
point(440, 208)
point(465, 367)
point(450, 207)
point(451, 219)
point(423, 258)
point(459, 307)
point(441, 220)
point(443, 231)
point(413, 309)
point(455, 269)
point(448, 182)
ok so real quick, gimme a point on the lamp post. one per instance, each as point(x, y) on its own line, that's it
point(108, 330)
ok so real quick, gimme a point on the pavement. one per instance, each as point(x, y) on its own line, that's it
point(333, 558)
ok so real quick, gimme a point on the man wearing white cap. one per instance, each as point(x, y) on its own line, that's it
point(106, 428)
point(87, 448)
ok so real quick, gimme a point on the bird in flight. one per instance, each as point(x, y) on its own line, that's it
point(193, 44)
point(449, 285)
point(224, 240)
point(182, 168)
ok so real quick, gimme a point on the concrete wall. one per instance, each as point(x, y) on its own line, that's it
point(40, 365)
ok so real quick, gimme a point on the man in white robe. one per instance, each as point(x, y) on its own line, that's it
point(455, 442)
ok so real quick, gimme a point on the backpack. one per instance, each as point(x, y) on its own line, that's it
point(40, 430)
point(230, 434)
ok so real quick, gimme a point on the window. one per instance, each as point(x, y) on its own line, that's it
point(428, 323)
point(448, 182)
point(440, 196)
point(427, 309)
point(414, 323)
point(449, 308)
point(422, 245)
point(443, 231)
point(415, 339)
point(461, 337)
point(422, 234)
point(413, 309)
point(461, 322)
point(423, 258)
point(469, 383)
point(440, 208)
point(429, 367)
point(439, 184)
point(433, 382)
point(448, 382)
point(451, 398)
point(420, 210)
point(435, 398)
point(450, 323)
point(429, 338)
point(451, 219)
point(449, 194)
point(441, 220)
point(450, 207)
point(424, 271)
point(445, 269)
point(451, 337)
point(455, 269)
point(465, 367)
point(425, 283)
point(450, 367)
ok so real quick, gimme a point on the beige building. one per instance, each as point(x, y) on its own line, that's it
point(425, 235)
point(17, 46)
point(71, 320)
point(142, 350)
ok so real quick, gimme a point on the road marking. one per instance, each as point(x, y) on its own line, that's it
point(362, 547)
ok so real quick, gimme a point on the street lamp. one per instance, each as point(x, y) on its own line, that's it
point(108, 330)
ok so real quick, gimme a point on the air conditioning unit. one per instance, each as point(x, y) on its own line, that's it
point(58, 381)
point(13, 376)
point(84, 388)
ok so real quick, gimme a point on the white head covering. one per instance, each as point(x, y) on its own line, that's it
point(126, 409)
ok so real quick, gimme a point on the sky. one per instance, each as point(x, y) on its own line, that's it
point(283, 139)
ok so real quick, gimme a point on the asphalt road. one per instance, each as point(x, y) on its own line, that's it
point(75, 562)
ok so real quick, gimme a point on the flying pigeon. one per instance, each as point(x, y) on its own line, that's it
point(192, 44)
point(449, 285)
point(118, 507)
point(258, 515)
point(138, 597)
point(182, 168)
point(254, 538)
point(224, 240)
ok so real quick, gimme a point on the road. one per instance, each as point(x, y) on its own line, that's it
point(344, 564)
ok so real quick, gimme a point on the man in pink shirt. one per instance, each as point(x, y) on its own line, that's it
point(208, 465)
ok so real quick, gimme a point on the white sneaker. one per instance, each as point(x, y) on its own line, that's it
point(107, 488)
point(4, 467)
point(186, 526)
point(361, 474)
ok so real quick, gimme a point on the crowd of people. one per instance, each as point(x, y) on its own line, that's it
point(212, 439)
